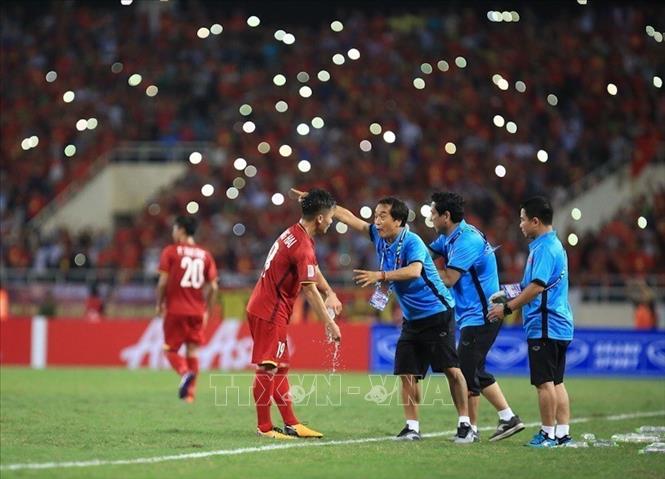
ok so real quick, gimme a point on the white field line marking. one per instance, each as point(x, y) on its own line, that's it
point(290, 445)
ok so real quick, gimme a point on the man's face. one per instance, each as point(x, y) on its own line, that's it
point(324, 220)
point(528, 225)
point(440, 222)
point(385, 224)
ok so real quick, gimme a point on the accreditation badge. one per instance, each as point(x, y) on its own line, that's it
point(512, 290)
point(379, 299)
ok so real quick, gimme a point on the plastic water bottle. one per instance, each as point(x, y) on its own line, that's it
point(651, 429)
point(605, 443)
point(577, 444)
point(636, 437)
point(656, 447)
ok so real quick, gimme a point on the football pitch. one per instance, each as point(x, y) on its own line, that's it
point(119, 423)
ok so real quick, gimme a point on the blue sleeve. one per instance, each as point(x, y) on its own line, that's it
point(437, 246)
point(464, 252)
point(372, 233)
point(414, 250)
point(542, 267)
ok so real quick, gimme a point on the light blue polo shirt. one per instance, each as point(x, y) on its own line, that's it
point(548, 315)
point(467, 250)
point(420, 297)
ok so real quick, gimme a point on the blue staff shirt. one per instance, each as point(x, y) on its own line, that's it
point(466, 250)
point(420, 297)
point(548, 315)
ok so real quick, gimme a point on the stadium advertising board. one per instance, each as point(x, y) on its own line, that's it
point(592, 352)
point(139, 343)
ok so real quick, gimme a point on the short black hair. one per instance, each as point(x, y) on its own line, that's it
point(315, 202)
point(398, 209)
point(450, 202)
point(539, 207)
point(187, 223)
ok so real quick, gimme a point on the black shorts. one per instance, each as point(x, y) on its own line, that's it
point(547, 360)
point(474, 344)
point(426, 342)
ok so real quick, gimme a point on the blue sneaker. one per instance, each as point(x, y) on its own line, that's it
point(541, 440)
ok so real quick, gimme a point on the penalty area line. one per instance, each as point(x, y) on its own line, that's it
point(276, 447)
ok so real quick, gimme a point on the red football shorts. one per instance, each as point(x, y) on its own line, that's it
point(180, 329)
point(270, 346)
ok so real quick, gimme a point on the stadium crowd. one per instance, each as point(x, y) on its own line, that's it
point(446, 133)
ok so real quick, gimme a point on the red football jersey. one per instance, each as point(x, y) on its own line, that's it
point(290, 262)
point(189, 267)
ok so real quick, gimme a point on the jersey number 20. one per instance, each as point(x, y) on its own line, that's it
point(193, 275)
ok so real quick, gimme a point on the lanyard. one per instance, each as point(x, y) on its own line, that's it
point(398, 251)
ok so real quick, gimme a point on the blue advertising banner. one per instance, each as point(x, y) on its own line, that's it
point(601, 352)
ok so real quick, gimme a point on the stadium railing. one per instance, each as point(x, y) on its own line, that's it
point(125, 152)
point(29, 284)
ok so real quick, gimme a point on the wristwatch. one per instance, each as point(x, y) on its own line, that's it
point(506, 309)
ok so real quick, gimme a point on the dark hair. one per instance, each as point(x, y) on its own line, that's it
point(188, 223)
point(398, 209)
point(538, 207)
point(315, 202)
point(450, 202)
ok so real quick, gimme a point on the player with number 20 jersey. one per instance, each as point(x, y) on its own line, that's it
point(185, 294)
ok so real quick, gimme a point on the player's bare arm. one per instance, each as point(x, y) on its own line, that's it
point(161, 293)
point(366, 278)
point(211, 289)
point(341, 214)
point(331, 301)
point(526, 296)
point(315, 300)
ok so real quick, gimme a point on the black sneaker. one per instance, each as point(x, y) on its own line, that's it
point(507, 428)
point(408, 434)
point(565, 441)
point(185, 382)
point(476, 437)
point(465, 434)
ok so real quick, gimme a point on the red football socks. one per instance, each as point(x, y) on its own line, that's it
point(283, 398)
point(193, 365)
point(177, 362)
point(262, 389)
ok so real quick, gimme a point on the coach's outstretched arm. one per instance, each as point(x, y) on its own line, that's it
point(341, 214)
point(406, 273)
point(316, 302)
point(346, 217)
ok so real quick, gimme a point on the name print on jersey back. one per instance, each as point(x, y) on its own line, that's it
point(290, 262)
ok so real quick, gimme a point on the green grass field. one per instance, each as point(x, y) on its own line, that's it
point(60, 415)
